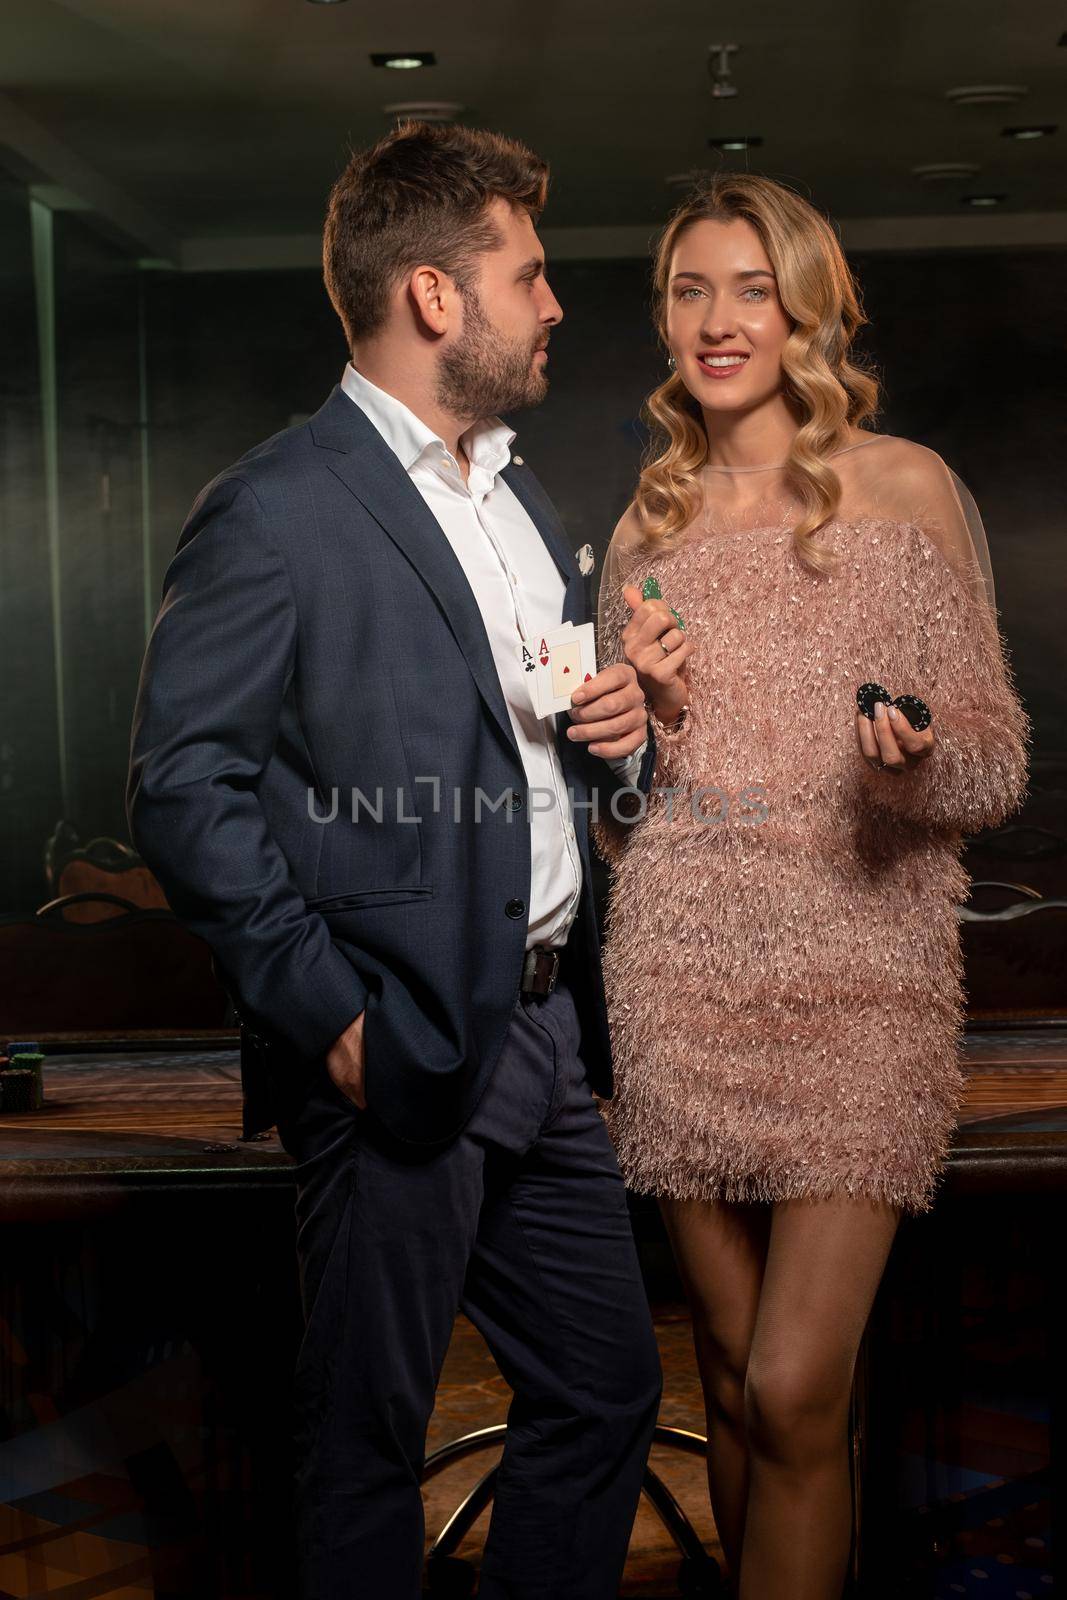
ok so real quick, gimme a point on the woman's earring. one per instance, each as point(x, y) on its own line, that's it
point(672, 363)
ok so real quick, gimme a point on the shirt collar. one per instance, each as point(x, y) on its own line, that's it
point(487, 442)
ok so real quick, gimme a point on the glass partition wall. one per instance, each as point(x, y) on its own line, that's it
point(76, 592)
point(87, 945)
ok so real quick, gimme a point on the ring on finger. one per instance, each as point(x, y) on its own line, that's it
point(665, 647)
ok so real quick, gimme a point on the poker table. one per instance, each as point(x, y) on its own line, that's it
point(149, 1318)
point(134, 1117)
point(129, 1116)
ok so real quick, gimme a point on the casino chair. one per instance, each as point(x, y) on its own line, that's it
point(1022, 851)
point(699, 1574)
point(134, 969)
point(103, 867)
point(1032, 847)
point(1014, 953)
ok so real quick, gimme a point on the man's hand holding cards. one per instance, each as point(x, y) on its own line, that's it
point(607, 708)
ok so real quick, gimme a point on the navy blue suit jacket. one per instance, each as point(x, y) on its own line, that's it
point(317, 633)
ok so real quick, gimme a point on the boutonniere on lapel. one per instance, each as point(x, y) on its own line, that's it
point(586, 562)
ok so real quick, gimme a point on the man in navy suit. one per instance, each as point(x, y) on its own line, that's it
point(339, 777)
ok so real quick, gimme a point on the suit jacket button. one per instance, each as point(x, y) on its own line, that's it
point(515, 908)
point(515, 801)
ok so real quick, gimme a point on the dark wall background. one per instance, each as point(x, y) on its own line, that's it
point(29, 777)
point(98, 346)
point(971, 349)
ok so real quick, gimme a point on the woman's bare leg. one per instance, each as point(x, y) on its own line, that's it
point(720, 1251)
point(824, 1262)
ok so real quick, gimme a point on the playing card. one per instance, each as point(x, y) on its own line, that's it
point(528, 659)
point(563, 659)
point(536, 658)
point(526, 656)
point(564, 667)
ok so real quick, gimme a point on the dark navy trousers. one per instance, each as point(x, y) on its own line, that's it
point(521, 1222)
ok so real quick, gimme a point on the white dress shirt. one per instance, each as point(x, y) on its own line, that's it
point(519, 590)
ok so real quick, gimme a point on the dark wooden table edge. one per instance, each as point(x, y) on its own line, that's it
point(1019, 1163)
point(150, 1041)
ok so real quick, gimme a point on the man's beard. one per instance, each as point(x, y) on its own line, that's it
point(484, 373)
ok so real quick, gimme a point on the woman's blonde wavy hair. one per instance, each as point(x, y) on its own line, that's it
point(823, 385)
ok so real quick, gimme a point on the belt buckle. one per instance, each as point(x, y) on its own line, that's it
point(530, 973)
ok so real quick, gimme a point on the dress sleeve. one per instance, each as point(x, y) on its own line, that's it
point(628, 556)
point(977, 774)
point(623, 556)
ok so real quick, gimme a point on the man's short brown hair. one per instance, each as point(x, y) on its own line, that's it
point(419, 194)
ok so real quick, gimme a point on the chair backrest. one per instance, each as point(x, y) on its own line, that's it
point(1014, 951)
point(1032, 846)
point(133, 883)
point(136, 969)
point(1021, 850)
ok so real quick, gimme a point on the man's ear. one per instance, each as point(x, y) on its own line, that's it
point(433, 296)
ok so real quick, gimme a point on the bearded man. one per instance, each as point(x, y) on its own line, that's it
point(341, 778)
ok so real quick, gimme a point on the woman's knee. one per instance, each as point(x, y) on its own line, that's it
point(723, 1368)
point(795, 1412)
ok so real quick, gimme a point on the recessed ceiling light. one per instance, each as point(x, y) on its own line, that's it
point(736, 141)
point(425, 110)
point(1040, 130)
point(982, 199)
point(325, 2)
point(404, 60)
point(987, 94)
point(935, 171)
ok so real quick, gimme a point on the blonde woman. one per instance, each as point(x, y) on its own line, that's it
point(782, 956)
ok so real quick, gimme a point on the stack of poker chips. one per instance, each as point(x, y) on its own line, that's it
point(21, 1077)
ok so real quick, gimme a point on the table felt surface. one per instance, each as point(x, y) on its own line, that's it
point(175, 1110)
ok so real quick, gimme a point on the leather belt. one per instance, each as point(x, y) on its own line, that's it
point(540, 970)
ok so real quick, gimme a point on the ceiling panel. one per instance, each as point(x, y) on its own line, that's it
point(224, 117)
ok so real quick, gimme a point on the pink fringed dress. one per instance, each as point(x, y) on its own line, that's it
point(782, 950)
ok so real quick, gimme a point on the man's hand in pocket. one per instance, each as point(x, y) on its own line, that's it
point(344, 1062)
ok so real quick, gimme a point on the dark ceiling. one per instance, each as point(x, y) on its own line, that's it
point(230, 117)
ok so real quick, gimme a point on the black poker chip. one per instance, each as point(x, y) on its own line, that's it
point(868, 695)
point(917, 711)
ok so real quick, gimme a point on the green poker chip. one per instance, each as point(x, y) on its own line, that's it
point(650, 590)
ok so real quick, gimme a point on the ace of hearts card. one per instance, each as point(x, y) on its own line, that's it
point(557, 663)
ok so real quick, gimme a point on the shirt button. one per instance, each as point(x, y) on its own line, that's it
point(515, 908)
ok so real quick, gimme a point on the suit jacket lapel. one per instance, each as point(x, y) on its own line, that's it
point(367, 467)
point(361, 459)
point(542, 513)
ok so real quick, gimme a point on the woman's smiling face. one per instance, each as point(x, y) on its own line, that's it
point(725, 323)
